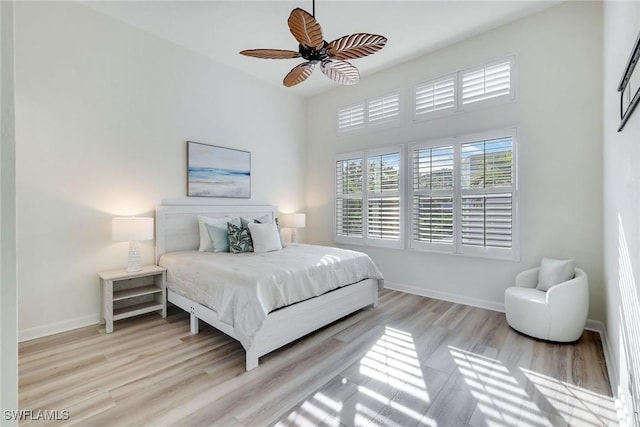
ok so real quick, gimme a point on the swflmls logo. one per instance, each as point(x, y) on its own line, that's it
point(38, 415)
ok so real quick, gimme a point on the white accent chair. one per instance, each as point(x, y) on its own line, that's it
point(558, 314)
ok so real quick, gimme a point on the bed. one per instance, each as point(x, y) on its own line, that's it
point(275, 324)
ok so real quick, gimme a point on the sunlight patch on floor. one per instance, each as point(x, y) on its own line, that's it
point(500, 397)
point(507, 398)
point(574, 404)
point(389, 369)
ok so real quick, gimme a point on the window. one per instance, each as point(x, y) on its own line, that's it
point(349, 197)
point(370, 112)
point(432, 182)
point(435, 96)
point(487, 84)
point(369, 198)
point(383, 196)
point(384, 110)
point(463, 195)
point(351, 118)
point(486, 178)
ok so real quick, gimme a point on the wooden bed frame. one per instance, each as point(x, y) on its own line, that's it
point(177, 229)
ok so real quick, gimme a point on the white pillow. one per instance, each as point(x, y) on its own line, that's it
point(246, 220)
point(205, 240)
point(265, 237)
point(553, 272)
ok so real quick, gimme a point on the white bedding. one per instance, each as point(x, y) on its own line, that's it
point(244, 288)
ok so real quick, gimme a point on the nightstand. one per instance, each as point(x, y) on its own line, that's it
point(130, 294)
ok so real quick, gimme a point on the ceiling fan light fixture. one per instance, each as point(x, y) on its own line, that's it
point(313, 48)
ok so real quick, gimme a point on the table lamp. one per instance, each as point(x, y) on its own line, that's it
point(132, 230)
point(294, 221)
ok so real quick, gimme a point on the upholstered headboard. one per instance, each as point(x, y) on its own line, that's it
point(177, 225)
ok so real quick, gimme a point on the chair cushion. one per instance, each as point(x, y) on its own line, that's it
point(553, 272)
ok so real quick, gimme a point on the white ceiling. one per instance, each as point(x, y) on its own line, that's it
point(220, 29)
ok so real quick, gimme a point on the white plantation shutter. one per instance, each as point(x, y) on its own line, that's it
point(383, 197)
point(487, 82)
point(432, 200)
point(370, 113)
point(487, 220)
point(383, 110)
point(349, 219)
point(487, 190)
point(351, 118)
point(435, 96)
point(462, 196)
point(369, 200)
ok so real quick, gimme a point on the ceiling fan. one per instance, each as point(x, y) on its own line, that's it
point(312, 47)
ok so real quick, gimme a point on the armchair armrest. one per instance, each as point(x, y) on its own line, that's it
point(570, 293)
point(568, 304)
point(528, 278)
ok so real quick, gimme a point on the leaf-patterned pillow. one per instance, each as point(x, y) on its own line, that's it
point(239, 239)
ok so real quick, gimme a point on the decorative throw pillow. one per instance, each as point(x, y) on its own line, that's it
point(206, 243)
point(260, 219)
point(553, 272)
point(265, 237)
point(239, 239)
point(279, 230)
point(219, 234)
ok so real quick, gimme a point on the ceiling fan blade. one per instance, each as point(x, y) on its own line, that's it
point(356, 46)
point(305, 28)
point(340, 72)
point(271, 53)
point(298, 74)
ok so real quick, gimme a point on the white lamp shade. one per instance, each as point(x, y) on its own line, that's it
point(131, 229)
point(294, 220)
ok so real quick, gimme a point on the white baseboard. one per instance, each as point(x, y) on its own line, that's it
point(612, 370)
point(55, 328)
point(459, 299)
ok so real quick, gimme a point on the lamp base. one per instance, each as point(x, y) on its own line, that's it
point(133, 261)
point(294, 237)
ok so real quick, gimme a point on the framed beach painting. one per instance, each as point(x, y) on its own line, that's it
point(214, 171)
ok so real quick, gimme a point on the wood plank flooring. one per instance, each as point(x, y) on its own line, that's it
point(412, 361)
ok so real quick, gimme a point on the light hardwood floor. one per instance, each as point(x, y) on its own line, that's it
point(411, 361)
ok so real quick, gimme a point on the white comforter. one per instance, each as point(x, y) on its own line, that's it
point(244, 288)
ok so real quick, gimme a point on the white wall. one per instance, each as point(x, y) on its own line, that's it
point(621, 203)
point(558, 112)
point(103, 113)
point(8, 288)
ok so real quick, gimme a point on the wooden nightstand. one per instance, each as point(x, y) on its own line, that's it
point(130, 294)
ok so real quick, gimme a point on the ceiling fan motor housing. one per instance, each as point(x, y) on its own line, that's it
point(313, 54)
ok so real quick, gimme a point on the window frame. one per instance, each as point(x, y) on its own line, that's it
point(512, 253)
point(388, 122)
point(459, 107)
point(394, 121)
point(352, 240)
point(429, 246)
point(365, 240)
point(457, 248)
point(437, 113)
point(350, 107)
point(497, 100)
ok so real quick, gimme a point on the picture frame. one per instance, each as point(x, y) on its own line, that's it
point(214, 171)
point(629, 86)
